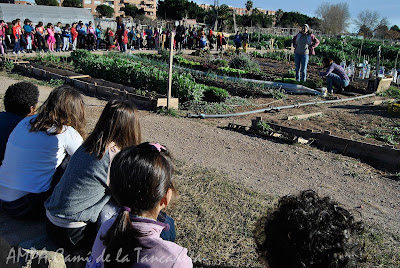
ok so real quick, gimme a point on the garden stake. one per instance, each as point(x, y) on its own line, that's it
point(171, 58)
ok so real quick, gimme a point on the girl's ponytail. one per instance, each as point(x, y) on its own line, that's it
point(120, 241)
point(140, 176)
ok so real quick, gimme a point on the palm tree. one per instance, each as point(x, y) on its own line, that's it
point(278, 16)
point(249, 5)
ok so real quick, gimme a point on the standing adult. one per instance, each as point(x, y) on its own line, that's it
point(238, 41)
point(304, 43)
point(180, 31)
point(120, 33)
point(245, 39)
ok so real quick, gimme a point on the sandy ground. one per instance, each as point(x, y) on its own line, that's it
point(267, 166)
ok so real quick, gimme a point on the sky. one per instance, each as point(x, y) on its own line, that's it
point(388, 8)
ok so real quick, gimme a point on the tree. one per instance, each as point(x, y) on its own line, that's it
point(249, 5)
point(382, 29)
point(395, 28)
point(367, 19)
point(278, 16)
point(334, 17)
point(224, 13)
point(132, 10)
point(72, 3)
point(105, 11)
point(365, 31)
point(172, 9)
point(46, 2)
point(393, 34)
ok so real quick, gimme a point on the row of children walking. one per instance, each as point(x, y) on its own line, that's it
point(107, 192)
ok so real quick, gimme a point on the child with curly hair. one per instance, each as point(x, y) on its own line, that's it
point(309, 231)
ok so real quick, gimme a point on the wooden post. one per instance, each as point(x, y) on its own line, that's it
point(171, 59)
point(378, 59)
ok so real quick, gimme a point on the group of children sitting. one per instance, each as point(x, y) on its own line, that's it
point(106, 192)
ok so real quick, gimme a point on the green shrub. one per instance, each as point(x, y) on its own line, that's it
point(215, 94)
point(219, 62)
point(393, 92)
point(7, 65)
point(230, 71)
point(243, 62)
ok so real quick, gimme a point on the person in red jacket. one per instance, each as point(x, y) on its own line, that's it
point(17, 32)
point(74, 34)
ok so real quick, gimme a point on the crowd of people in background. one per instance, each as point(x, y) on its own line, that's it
point(23, 37)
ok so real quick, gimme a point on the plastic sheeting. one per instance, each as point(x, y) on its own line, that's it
point(46, 14)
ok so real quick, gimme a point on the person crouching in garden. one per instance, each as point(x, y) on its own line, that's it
point(304, 43)
point(335, 75)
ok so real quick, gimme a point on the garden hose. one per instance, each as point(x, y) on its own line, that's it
point(278, 108)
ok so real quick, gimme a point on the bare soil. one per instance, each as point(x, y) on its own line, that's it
point(358, 120)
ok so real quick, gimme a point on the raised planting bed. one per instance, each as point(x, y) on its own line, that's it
point(96, 86)
point(381, 157)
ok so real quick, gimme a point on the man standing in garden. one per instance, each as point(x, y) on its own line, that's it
point(245, 39)
point(304, 43)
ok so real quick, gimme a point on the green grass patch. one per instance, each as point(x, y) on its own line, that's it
point(215, 218)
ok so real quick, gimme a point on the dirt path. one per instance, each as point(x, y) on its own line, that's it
point(268, 166)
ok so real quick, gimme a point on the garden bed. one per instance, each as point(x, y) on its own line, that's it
point(97, 87)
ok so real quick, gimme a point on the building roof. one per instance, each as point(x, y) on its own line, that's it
point(46, 14)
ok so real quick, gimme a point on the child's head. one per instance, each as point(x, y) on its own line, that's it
point(309, 231)
point(67, 26)
point(58, 24)
point(63, 107)
point(40, 24)
point(141, 176)
point(49, 25)
point(21, 98)
point(141, 182)
point(327, 61)
point(118, 123)
point(14, 22)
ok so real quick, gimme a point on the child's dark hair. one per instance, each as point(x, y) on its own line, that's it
point(49, 25)
point(20, 97)
point(63, 107)
point(118, 123)
point(309, 231)
point(140, 176)
point(326, 61)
